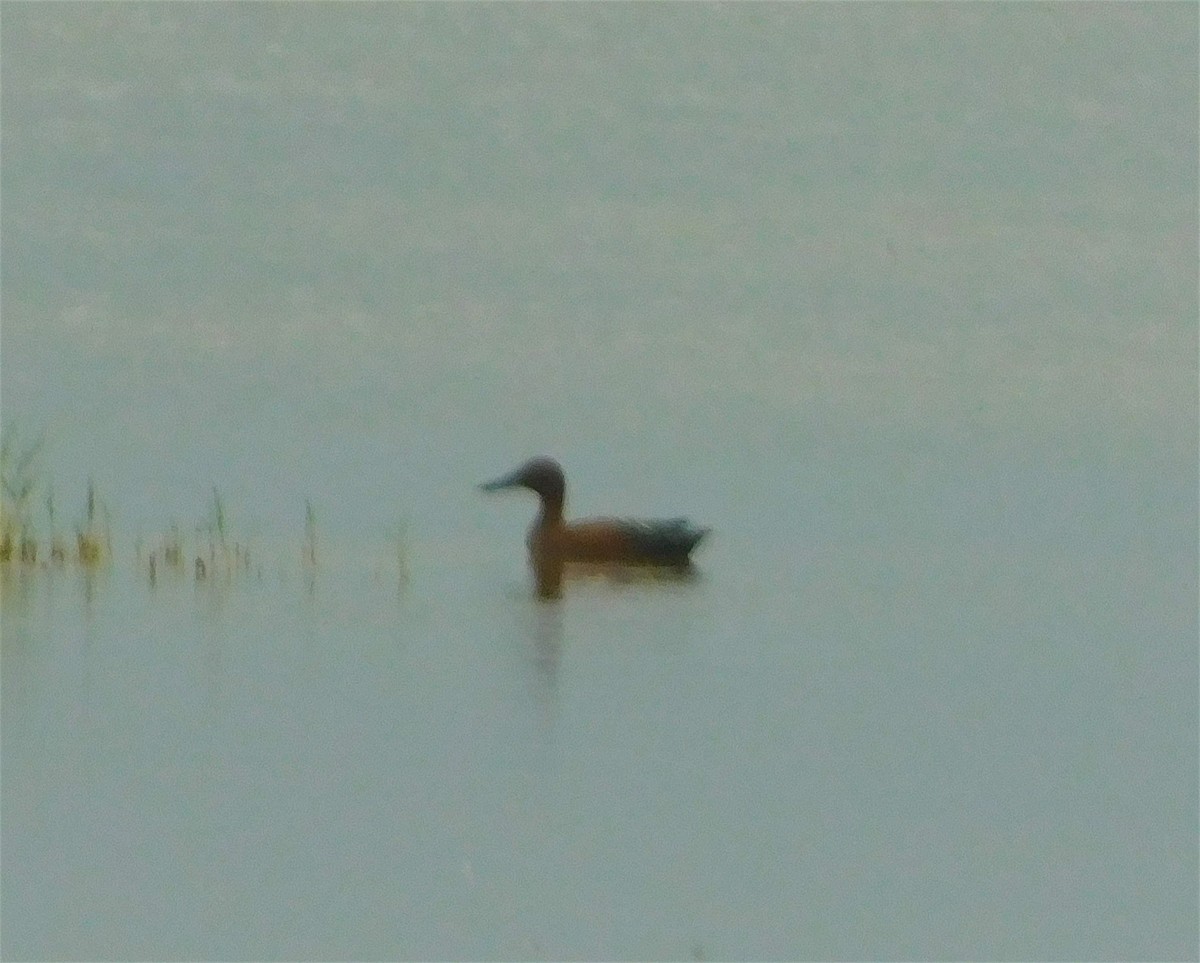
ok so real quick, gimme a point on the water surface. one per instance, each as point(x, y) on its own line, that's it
point(901, 301)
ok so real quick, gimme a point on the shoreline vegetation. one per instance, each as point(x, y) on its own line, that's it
point(33, 536)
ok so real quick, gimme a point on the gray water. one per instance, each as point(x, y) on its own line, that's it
point(900, 300)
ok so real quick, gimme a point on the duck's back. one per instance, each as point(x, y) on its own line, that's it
point(653, 542)
point(668, 540)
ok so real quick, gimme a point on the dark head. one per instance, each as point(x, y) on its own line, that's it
point(541, 475)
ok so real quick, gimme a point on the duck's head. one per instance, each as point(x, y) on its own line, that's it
point(541, 475)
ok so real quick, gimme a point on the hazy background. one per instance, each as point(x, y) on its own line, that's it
point(901, 300)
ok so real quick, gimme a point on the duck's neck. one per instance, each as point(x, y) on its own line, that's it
point(551, 515)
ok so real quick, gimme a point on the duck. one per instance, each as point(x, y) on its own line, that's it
point(554, 542)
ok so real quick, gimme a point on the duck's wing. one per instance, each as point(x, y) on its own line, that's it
point(622, 540)
point(667, 540)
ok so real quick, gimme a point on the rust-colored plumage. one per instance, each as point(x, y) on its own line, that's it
point(553, 541)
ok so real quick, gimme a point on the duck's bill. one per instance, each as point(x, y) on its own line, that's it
point(499, 484)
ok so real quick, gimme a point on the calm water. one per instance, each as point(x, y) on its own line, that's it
point(902, 301)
